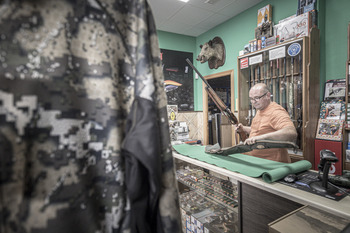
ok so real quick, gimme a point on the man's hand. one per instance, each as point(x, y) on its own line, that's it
point(286, 134)
point(252, 140)
point(239, 128)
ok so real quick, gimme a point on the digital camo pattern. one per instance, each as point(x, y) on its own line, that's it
point(69, 73)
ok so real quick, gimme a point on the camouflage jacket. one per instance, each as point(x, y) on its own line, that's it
point(84, 139)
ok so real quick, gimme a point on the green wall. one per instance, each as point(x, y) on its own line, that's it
point(333, 21)
point(336, 27)
point(176, 42)
point(240, 29)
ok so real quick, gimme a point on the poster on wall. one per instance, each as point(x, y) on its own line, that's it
point(178, 78)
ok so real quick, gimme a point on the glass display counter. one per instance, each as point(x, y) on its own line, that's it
point(215, 200)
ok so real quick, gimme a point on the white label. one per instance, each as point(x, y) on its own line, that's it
point(256, 59)
point(277, 53)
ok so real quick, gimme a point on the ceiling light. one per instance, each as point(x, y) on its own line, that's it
point(184, 0)
point(211, 1)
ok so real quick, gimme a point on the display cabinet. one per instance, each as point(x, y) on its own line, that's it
point(214, 203)
point(208, 201)
point(215, 200)
point(291, 70)
point(346, 161)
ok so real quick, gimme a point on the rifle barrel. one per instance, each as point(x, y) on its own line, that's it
point(199, 74)
point(219, 103)
point(277, 100)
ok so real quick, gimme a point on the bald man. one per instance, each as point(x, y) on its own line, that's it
point(271, 122)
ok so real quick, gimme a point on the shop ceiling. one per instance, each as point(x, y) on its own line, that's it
point(196, 16)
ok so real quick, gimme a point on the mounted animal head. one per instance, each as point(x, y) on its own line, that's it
point(213, 52)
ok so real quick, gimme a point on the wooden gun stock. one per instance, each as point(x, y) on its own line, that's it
point(219, 103)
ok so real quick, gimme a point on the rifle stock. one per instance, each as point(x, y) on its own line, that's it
point(218, 102)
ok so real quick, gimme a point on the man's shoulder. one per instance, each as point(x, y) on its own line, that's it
point(276, 107)
point(277, 111)
point(274, 104)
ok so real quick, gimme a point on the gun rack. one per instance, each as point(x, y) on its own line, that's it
point(294, 83)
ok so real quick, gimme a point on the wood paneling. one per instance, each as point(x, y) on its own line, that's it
point(258, 208)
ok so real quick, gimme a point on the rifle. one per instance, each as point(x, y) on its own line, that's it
point(291, 91)
point(253, 77)
point(277, 100)
point(299, 103)
point(271, 80)
point(250, 112)
point(284, 86)
point(218, 102)
point(265, 69)
point(253, 80)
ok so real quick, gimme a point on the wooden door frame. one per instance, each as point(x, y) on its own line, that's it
point(205, 103)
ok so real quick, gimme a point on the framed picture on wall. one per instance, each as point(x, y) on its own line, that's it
point(178, 79)
point(333, 109)
point(335, 89)
point(330, 129)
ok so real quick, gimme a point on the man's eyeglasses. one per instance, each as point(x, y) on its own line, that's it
point(257, 98)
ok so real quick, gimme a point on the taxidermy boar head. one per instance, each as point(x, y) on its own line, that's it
point(214, 52)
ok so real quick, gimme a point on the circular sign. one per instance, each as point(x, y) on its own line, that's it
point(172, 115)
point(294, 49)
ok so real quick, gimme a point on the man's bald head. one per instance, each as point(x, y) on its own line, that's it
point(262, 87)
point(260, 96)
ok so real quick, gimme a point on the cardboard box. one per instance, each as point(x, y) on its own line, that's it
point(226, 135)
point(306, 6)
point(295, 27)
point(271, 41)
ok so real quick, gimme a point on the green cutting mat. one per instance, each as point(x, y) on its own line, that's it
point(245, 164)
